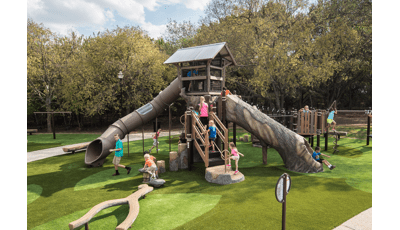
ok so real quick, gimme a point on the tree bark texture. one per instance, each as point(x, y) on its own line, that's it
point(293, 148)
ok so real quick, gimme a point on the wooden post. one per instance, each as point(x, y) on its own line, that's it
point(53, 126)
point(143, 136)
point(326, 132)
point(169, 125)
point(157, 135)
point(264, 153)
point(294, 121)
point(208, 76)
point(128, 144)
point(190, 149)
point(368, 128)
point(234, 133)
point(319, 126)
point(219, 114)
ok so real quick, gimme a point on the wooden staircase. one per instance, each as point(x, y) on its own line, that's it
point(201, 140)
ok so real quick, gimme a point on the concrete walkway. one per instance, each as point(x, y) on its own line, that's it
point(45, 153)
point(362, 221)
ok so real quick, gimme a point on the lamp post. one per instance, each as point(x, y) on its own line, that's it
point(120, 76)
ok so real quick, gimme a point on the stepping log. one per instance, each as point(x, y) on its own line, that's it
point(161, 166)
point(173, 161)
point(132, 200)
point(183, 156)
point(75, 148)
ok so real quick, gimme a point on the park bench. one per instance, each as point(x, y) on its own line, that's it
point(30, 131)
point(76, 148)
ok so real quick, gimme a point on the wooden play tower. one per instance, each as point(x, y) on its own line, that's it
point(201, 71)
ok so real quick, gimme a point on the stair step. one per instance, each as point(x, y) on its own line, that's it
point(215, 161)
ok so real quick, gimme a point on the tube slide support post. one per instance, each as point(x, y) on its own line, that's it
point(169, 120)
point(53, 126)
point(156, 134)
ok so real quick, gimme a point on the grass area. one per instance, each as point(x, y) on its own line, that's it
point(359, 132)
point(45, 141)
point(188, 201)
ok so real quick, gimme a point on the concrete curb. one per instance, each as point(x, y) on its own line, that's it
point(57, 151)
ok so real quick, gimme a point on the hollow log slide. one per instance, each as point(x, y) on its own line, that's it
point(132, 200)
point(293, 148)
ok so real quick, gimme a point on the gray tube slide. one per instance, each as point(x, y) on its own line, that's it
point(98, 149)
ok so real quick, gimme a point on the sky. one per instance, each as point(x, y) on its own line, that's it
point(90, 16)
point(86, 17)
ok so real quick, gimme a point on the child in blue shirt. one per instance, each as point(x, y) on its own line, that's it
point(330, 120)
point(316, 157)
point(119, 152)
point(213, 133)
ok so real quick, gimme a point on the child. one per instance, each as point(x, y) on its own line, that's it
point(197, 110)
point(203, 110)
point(306, 110)
point(227, 92)
point(182, 138)
point(119, 152)
point(330, 120)
point(316, 157)
point(234, 156)
point(150, 166)
point(155, 140)
point(213, 133)
point(154, 159)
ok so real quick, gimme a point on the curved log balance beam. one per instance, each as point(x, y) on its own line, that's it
point(293, 148)
point(132, 200)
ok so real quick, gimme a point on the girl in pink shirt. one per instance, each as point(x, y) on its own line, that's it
point(235, 156)
point(203, 111)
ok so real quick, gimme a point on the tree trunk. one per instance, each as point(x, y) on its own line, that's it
point(293, 148)
point(48, 109)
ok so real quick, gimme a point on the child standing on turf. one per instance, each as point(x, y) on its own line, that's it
point(213, 132)
point(150, 166)
point(235, 156)
point(155, 140)
point(330, 120)
point(119, 152)
point(203, 110)
point(316, 157)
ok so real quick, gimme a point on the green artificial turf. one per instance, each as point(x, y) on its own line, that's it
point(335, 195)
point(33, 192)
point(45, 141)
point(103, 178)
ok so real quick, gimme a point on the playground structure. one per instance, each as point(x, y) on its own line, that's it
point(210, 61)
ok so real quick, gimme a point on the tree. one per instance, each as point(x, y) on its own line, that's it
point(43, 65)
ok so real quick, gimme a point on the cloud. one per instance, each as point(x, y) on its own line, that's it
point(63, 16)
point(196, 4)
point(154, 31)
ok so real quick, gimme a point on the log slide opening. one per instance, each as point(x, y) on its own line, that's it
point(132, 200)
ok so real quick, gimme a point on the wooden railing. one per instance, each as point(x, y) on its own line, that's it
point(198, 131)
point(224, 136)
